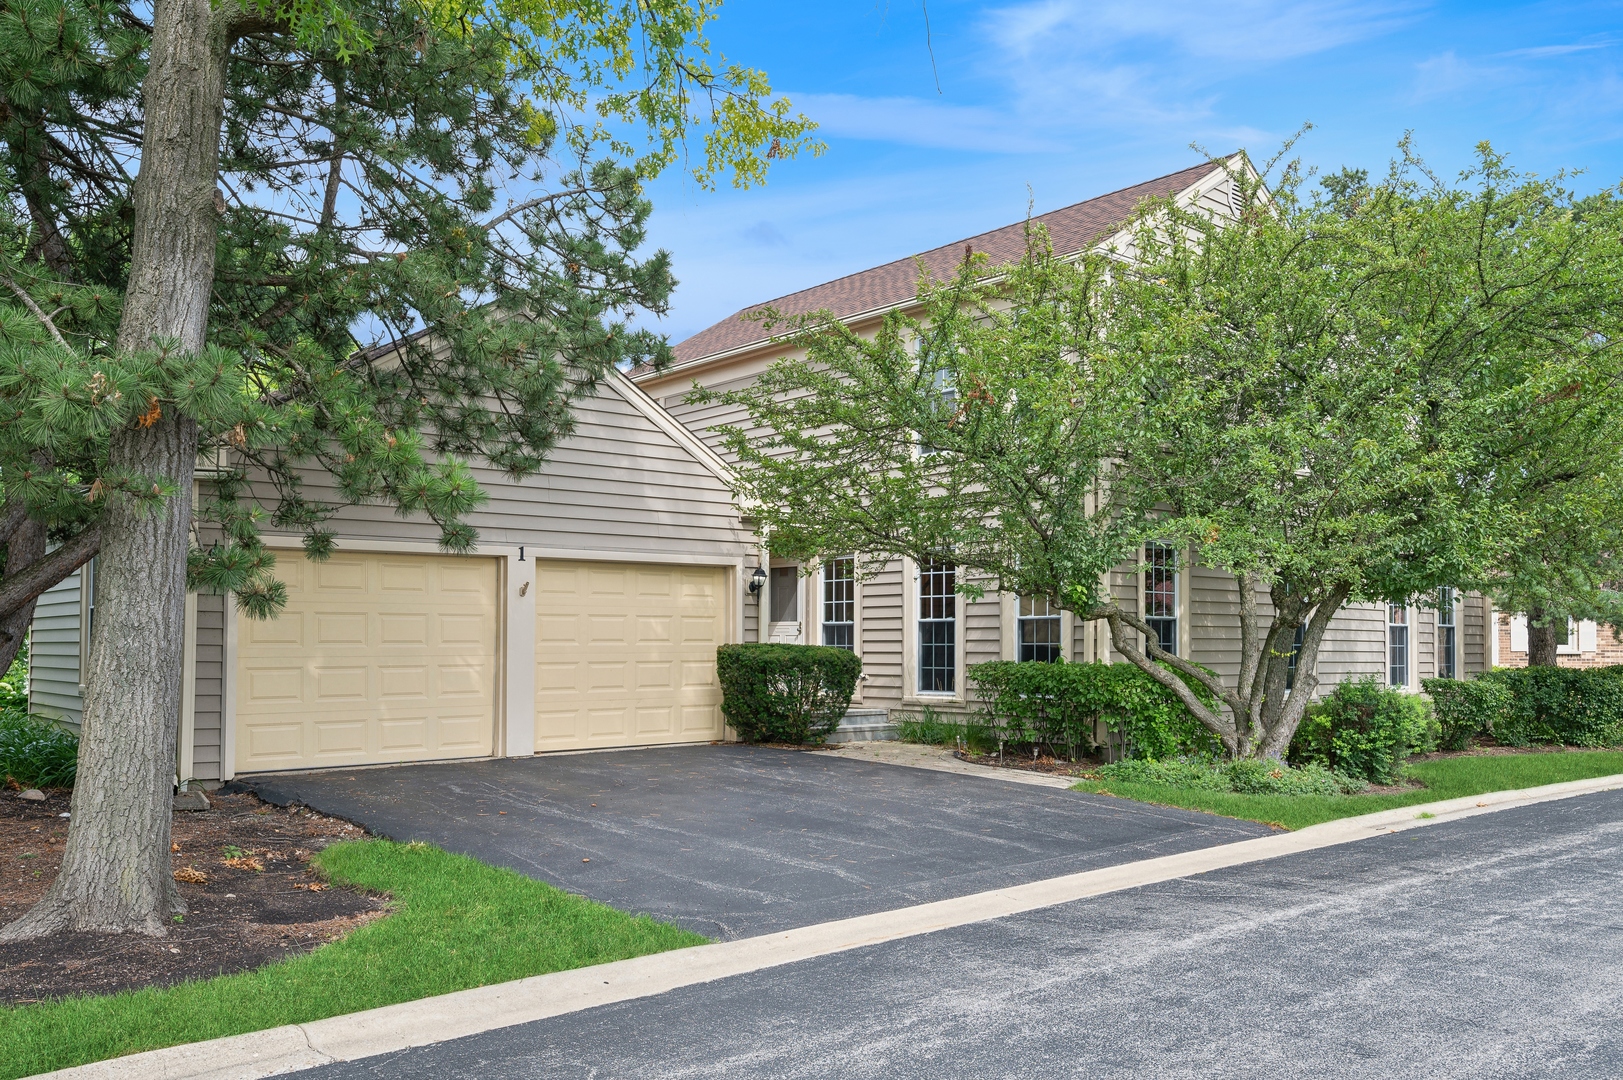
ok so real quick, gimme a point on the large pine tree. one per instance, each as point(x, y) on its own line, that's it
point(375, 238)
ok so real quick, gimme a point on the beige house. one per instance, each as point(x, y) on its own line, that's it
point(588, 617)
point(917, 637)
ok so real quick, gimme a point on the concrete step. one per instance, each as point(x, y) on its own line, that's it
point(864, 725)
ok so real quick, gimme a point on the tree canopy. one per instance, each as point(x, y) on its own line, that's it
point(1355, 393)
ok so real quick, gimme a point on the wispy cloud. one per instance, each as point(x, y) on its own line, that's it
point(1540, 52)
point(911, 121)
point(1235, 30)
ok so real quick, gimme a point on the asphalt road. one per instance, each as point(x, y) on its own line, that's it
point(734, 841)
point(1488, 947)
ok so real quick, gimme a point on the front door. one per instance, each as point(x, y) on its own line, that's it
point(785, 622)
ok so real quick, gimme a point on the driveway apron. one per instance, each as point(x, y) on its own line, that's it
point(734, 841)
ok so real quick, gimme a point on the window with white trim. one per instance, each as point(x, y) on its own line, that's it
point(840, 603)
point(938, 627)
point(1397, 645)
point(1037, 631)
point(1448, 640)
point(1161, 594)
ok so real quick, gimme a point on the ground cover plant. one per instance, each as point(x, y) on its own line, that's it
point(457, 923)
point(34, 751)
point(1443, 778)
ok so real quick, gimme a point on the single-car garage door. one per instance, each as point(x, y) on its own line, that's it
point(376, 658)
point(625, 654)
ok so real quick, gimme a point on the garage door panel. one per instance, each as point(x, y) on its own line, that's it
point(615, 648)
point(376, 658)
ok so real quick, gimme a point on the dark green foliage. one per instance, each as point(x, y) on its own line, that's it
point(33, 751)
point(1563, 706)
point(785, 693)
point(1246, 776)
point(1467, 708)
point(1365, 730)
point(931, 728)
point(1056, 705)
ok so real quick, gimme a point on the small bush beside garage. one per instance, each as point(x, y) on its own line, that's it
point(786, 693)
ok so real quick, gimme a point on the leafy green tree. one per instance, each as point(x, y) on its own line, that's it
point(366, 239)
point(1330, 399)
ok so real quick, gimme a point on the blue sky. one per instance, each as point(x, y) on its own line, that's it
point(1050, 102)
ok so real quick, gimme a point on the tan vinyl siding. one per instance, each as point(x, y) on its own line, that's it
point(53, 653)
point(618, 484)
point(209, 711)
point(1354, 646)
point(1475, 657)
point(881, 624)
point(1214, 620)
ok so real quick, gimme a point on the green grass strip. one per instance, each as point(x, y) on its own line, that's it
point(1445, 778)
point(458, 923)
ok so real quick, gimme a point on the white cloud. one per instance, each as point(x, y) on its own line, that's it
point(1541, 52)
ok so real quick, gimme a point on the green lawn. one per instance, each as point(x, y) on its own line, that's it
point(1445, 778)
point(458, 923)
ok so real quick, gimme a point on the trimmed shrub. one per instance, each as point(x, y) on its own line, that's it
point(785, 693)
point(1566, 706)
point(1248, 776)
point(1056, 705)
point(1466, 708)
point(1365, 730)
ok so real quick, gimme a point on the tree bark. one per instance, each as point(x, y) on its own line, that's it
point(115, 870)
point(1541, 644)
point(25, 546)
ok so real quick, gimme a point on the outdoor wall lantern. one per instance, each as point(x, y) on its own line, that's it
point(757, 580)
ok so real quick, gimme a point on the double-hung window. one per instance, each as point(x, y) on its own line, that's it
point(1448, 641)
point(840, 603)
point(1161, 594)
point(1037, 636)
point(1397, 645)
point(938, 627)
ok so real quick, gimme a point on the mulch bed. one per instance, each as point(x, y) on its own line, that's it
point(1051, 765)
point(268, 905)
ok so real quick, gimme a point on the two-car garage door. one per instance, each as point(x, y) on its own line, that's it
point(390, 658)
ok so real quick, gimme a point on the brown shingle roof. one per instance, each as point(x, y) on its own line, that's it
point(1071, 229)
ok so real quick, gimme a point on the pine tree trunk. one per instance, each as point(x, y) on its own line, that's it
point(115, 871)
point(1541, 644)
point(25, 546)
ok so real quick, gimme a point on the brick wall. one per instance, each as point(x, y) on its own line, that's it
point(1608, 650)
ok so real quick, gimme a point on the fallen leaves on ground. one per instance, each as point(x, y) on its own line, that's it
point(191, 875)
point(244, 862)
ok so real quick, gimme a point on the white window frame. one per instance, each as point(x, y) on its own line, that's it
point(1407, 623)
point(820, 590)
point(1180, 614)
point(1009, 620)
point(910, 644)
point(1449, 631)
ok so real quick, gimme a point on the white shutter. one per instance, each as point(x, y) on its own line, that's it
point(1518, 633)
point(1586, 636)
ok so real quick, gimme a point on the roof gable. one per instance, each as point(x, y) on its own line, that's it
point(1071, 229)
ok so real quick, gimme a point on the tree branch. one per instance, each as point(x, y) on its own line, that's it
point(21, 589)
point(35, 308)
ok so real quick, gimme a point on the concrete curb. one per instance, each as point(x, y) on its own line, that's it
point(469, 1012)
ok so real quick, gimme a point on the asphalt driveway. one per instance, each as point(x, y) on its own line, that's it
point(1482, 948)
point(734, 841)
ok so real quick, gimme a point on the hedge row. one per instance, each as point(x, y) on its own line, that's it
point(1524, 706)
point(1056, 705)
